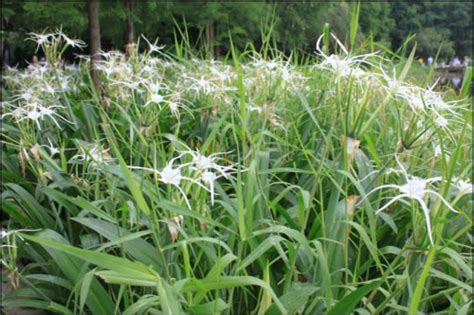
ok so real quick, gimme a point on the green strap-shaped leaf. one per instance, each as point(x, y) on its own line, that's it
point(350, 301)
point(117, 264)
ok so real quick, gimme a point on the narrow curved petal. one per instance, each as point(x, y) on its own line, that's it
point(184, 196)
point(442, 199)
point(390, 202)
point(378, 188)
point(426, 212)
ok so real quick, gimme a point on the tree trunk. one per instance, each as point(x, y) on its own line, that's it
point(130, 27)
point(4, 47)
point(210, 38)
point(94, 39)
point(217, 49)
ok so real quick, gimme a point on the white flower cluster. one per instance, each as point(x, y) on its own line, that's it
point(93, 154)
point(416, 189)
point(202, 171)
point(346, 65)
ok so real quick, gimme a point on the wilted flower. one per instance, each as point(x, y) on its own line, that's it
point(174, 224)
point(352, 146)
point(35, 152)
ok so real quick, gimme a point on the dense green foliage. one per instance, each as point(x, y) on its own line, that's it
point(249, 185)
point(294, 25)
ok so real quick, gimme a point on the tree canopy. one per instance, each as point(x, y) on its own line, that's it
point(210, 23)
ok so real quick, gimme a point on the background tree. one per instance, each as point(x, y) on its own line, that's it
point(429, 40)
point(433, 22)
point(94, 39)
point(375, 19)
point(297, 25)
point(130, 38)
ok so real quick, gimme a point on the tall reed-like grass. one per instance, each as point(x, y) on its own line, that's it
point(245, 186)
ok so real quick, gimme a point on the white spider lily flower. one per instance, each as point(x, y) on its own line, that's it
point(129, 83)
point(175, 103)
point(146, 69)
point(155, 98)
point(48, 89)
point(254, 108)
point(17, 113)
point(33, 114)
point(428, 100)
point(441, 122)
point(154, 87)
point(74, 67)
point(172, 176)
point(438, 150)
point(208, 169)
point(51, 148)
point(285, 74)
point(36, 112)
point(153, 61)
point(27, 95)
point(265, 64)
point(222, 74)
point(395, 86)
point(434, 100)
point(174, 107)
point(414, 189)
point(4, 234)
point(202, 85)
point(64, 85)
point(93, 154)
point(108, 70)
point(153, 47)
point(72, 42)
point(344, 66)
point(110, 54)
point(464, 187)
point(414, 100)
point(40, 39)
point(202, 163)
point(49, 112)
